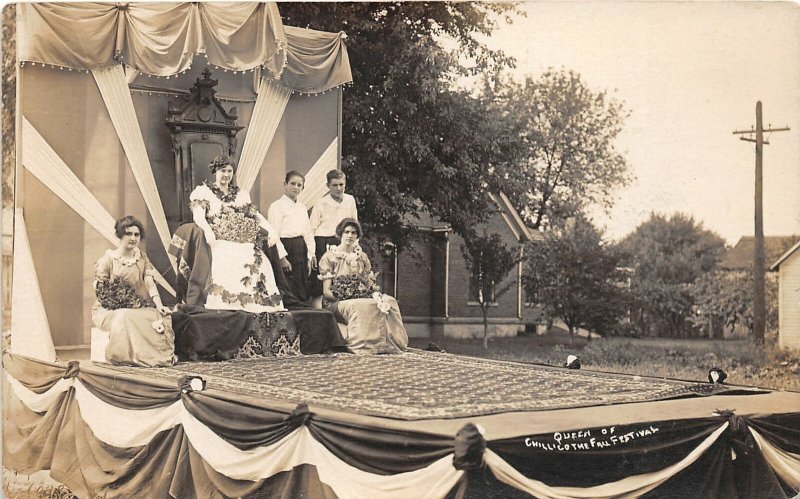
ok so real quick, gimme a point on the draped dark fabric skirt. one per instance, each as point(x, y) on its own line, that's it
point(297, 254)
point(203, 334)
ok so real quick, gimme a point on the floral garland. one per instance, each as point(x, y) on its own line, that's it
point(240, 224)
point(117, 293)
point(243, 298)
point(230, 197)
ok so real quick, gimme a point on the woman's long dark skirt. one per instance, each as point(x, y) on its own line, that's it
point(297, 254)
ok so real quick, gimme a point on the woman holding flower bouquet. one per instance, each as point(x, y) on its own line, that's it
point(374, 323)
point(128, 306)
point(241, 276)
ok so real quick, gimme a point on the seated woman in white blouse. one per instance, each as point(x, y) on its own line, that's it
point(374, 323)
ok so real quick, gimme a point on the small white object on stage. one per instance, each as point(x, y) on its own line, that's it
point(100, 339)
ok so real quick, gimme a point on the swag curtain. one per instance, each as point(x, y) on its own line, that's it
point(161, 39)
point(185, 442)
point(155, 38)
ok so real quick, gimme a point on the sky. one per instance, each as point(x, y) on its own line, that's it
point(690, 73)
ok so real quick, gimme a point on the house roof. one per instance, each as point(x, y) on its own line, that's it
point(740, 257)
point(513, 219)
point(786, 255)
point(424, 221)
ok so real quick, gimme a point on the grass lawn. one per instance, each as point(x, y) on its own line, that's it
point(680, 359)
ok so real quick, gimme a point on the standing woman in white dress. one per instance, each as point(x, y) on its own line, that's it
point(290, 218)
point(241, 275)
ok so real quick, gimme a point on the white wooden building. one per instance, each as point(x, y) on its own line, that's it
point(788, 267)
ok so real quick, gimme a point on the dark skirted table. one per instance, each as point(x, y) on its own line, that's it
point(203, 334)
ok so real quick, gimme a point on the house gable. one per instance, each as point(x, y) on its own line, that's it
point(740, 257)
point(434, 284)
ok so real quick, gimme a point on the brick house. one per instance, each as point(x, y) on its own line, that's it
point(431, 282)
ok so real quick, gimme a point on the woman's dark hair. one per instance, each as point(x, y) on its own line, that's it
point(221, 162)
point(128, 221)
point(348, 222)
point(293, 173)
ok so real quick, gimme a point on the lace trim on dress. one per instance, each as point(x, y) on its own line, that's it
point(225, 198)
point(351, 258)
point(128, 261)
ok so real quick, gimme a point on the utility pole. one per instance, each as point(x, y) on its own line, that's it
point(759, 288)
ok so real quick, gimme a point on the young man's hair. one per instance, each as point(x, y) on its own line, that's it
point(292, 174)
point(335, 174)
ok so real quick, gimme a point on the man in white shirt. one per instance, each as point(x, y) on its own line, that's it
point(290, 218)
point(326, 214)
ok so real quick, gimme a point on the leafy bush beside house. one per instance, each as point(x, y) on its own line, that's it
point(575, 276)
point(668, 254)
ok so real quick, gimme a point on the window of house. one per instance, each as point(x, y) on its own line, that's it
point(388, 269)
point(474, 293)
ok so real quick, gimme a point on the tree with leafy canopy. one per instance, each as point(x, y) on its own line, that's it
point(668, 255)
point(489, 262)
point(9, 96)
point(565, 158)
point(575, 276)
point(411, 140)
point(726, 297)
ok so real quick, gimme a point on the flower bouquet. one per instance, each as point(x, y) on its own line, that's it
point(349, 287)
point(236, 225)
point(117, 293)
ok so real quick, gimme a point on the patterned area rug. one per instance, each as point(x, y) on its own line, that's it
point(425, 385)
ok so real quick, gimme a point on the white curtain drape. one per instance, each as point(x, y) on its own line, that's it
point(267, 113)
point(316, 178)
point(30, 331)
point(46, 165)
point(117, 97)
point(785, 464)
